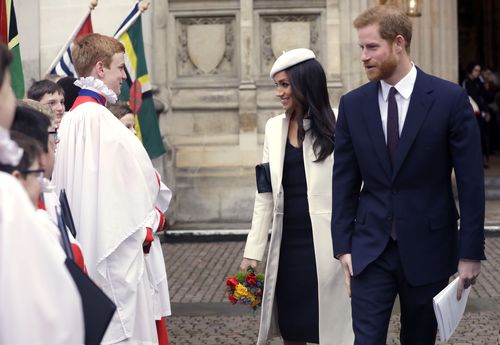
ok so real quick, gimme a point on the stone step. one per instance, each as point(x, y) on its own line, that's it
point(492, 182)
point(492, 187)
point(492, 194)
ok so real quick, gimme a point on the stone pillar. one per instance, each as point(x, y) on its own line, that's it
point(159, 78)
point(28, 21)
point(247, 89)
point(353, 74)
point(158, 69)
point(434, 45)
point(333, 63)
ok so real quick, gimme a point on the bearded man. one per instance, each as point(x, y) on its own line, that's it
point(394, 223)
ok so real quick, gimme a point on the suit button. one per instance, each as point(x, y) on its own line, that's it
point(395, 191)
point(389, 218)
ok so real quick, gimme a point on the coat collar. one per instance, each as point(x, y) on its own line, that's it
point(420, 103)
point(278, 155)
point(372, 118)
point(277, 151)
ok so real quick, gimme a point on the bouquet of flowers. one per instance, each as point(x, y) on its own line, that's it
point(246, 288)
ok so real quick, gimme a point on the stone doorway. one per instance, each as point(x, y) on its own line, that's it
point(478, 42)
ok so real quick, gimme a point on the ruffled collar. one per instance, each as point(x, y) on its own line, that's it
point(10, 153)
point(97, 85)
point(47, 186)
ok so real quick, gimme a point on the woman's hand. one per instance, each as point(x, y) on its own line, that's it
point(245, 263)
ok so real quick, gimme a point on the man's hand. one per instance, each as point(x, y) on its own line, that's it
point(345, 261)
point(468, 270)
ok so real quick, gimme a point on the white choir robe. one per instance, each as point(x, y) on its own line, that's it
point(155, 261)
point(111, 187)
point(40, 303)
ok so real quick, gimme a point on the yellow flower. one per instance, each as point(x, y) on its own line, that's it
point(240, 291)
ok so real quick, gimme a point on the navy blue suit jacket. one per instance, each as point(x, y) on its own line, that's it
point(440, 133)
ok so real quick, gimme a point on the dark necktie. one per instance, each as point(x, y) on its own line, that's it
point(392, 136)
point(392, 124)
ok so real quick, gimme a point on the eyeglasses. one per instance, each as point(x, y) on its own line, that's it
point(54, 134)
point(38, 172)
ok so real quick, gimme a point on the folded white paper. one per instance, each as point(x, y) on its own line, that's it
point(448, 310)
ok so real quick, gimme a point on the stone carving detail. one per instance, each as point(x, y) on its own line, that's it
point(205, 46)
point(276, 36)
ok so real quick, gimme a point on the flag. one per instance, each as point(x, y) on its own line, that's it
point(137, 88)
point(9, 36)
point(63, 63)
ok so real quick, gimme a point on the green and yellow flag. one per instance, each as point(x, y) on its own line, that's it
point(9, 36)
point(137, 88)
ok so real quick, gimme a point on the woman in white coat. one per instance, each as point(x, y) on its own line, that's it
point(304, 298)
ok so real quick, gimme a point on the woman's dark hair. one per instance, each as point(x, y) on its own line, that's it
point(308, 82)
point(470, 66)
point(5, 60)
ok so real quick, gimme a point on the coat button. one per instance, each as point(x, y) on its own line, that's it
point(389, 218)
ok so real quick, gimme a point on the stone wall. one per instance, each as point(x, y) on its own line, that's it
point(212, 68)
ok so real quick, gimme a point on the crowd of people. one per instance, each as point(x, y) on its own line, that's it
point(64, 140)
point(362, 208)
point(483, 88)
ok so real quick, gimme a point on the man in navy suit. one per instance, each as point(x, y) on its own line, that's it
point(394, 224)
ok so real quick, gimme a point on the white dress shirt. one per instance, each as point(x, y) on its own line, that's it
point(403, 96)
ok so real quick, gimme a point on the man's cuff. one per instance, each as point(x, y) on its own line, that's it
point(146, 245)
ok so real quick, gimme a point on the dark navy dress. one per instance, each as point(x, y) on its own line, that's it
point(297, 283)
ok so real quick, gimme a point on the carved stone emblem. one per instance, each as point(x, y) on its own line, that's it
point(289, 35)
point(206, 44)
point(285, 32)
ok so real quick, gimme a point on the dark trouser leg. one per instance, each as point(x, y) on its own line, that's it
point(373, 293)
point(418, 322)
point(484, 139)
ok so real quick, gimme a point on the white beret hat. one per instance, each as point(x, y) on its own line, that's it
point(291, 58)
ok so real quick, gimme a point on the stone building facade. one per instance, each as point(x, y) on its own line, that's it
point(210, 62)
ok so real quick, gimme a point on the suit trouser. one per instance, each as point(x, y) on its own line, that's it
point(374, 291)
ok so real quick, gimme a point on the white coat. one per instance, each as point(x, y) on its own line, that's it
point(335, 325)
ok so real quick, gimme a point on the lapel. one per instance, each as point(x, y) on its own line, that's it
point(420, 103)
point(318, 174)
point(308, 154)
point(277, 158)
point(371, 115)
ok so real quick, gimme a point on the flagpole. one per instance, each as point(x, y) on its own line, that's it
point(143, 6)
point(92, 6)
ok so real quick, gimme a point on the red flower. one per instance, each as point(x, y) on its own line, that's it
point(251, 278)
point(231, 298)
point(232, 282)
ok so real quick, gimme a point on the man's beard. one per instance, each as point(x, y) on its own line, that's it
point(385, 70)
